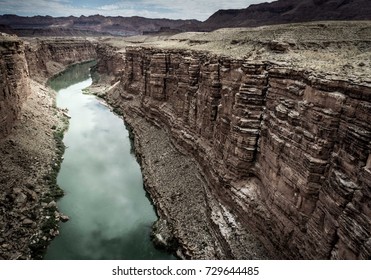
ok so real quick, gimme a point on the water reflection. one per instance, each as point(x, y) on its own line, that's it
point(104, 197)
point(96, 245)
point(73, 75)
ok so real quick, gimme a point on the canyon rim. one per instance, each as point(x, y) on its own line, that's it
point(254, 143)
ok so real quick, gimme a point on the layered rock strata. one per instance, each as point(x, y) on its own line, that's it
point(38, 60)
point(285, 151)
point(14, 82)
point(48, 57)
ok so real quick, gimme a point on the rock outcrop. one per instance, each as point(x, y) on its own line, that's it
point(285, 150)
point(14, 84)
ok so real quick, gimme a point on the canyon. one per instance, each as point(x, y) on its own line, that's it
point(254, 143)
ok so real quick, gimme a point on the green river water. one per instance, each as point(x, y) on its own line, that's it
point(110, 214)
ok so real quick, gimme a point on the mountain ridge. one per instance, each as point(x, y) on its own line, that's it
point(91, 25)
point(289, 11)
point(277, 12)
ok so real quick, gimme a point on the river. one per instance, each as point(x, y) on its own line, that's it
point(110, 214)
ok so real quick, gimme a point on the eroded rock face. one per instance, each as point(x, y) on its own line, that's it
point(14, 84)
point(109, 66)
point(284, 150)
point(38, 61)
point(314, 148)
point(48, 57)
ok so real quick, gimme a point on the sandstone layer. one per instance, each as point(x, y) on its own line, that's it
point(284, 146)
point(31, 143)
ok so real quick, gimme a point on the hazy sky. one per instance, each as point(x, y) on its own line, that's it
point(175, 9)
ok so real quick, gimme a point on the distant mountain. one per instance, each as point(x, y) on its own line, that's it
point(277, 12)
point(91, 25)
point(289, 11)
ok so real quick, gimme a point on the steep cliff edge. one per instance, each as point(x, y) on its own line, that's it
point(284, 147)
point(38, 60)
point(14, 82)
point(48, 57)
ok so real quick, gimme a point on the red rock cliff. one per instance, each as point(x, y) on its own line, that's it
point(285, 149)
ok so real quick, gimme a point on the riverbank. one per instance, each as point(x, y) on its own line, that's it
point(30, 158)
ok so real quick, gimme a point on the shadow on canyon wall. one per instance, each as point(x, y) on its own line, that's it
point(72, 75)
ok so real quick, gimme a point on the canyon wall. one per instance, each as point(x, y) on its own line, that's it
point(36, 60)
point(109, 66)
point(48, 57)
point(286, 150)
point(14, 84)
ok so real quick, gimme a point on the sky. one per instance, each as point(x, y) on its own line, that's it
point(174, 9)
